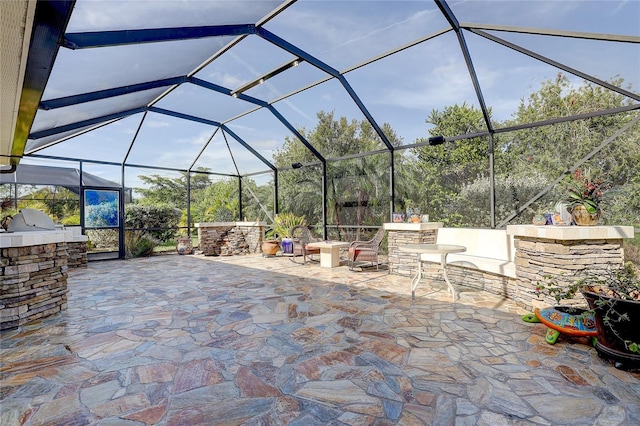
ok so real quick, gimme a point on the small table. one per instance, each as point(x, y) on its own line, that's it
point(443, 250)
point(329, 252)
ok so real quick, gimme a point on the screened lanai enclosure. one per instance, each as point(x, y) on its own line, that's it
point(473, 112)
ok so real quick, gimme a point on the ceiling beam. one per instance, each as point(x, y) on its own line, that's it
point(109, 93)
point(88, 40)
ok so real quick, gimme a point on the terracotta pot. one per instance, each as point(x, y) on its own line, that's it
point(615, 337)
point(582, 217)
point(270, 248)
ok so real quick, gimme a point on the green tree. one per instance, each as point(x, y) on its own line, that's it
point(445, 169)
point(357, 187)
point(455, 175)
point(551, 150)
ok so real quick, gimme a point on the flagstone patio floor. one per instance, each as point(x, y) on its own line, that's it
point(194, 340)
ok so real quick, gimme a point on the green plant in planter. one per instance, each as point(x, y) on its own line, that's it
point(614, 298)
point(282, 224)
point(586, 190)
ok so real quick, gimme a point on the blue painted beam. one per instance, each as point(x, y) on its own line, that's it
point(123, 90)
point(283, 44)
point(225, 91)
point(116, 38)
point(108, 93)
point(248, 147)
point(293, 130)
point(184, 116)
point(366, 112)
point(453, 21)
point(448, 14)
point(84, 123)
point(210, 86)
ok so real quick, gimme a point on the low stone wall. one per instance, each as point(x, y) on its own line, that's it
point(230, 238)
point(34, 283)
point(500, 285)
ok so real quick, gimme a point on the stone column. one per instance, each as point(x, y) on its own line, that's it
point(401, 234)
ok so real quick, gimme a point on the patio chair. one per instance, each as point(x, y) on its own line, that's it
point(301, 237)
point(366, 251)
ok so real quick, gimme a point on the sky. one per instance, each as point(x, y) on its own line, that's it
point(401, 89)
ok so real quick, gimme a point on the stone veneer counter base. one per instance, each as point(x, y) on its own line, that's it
point(33, 267)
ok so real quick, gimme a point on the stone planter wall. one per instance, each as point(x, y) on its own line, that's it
point(230, 238)
point(34, 283)
point(566, 253)
point(253, 237)
point(567, 261)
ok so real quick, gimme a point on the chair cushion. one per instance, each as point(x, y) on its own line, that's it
point(361, 252)
point(297, 250)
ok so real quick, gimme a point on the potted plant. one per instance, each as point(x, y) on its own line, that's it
point(282, 224)
point(270, 244)
point(584, 198)
point(412, 211)
point(614, 298)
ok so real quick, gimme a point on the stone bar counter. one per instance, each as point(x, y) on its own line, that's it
point(33, 272)
point(564, 252)
point(230, 238)
point(401, 234)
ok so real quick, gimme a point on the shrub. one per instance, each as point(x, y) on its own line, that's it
point(160, 221)
point(138, 244)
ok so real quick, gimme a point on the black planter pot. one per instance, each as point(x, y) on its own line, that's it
point(612, 336)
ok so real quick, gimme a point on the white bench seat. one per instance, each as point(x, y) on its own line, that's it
point(490, 250)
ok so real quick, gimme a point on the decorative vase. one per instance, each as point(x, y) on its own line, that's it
point(287, 245)
point(184, 245)
point(539, 219)
point(614, 337)
point(582, 217)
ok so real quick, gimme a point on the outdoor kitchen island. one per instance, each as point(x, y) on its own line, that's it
point(33, 271)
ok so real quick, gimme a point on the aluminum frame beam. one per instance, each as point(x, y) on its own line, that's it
point(87, 40)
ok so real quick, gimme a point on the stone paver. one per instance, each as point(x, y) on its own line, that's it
point(193, 340)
